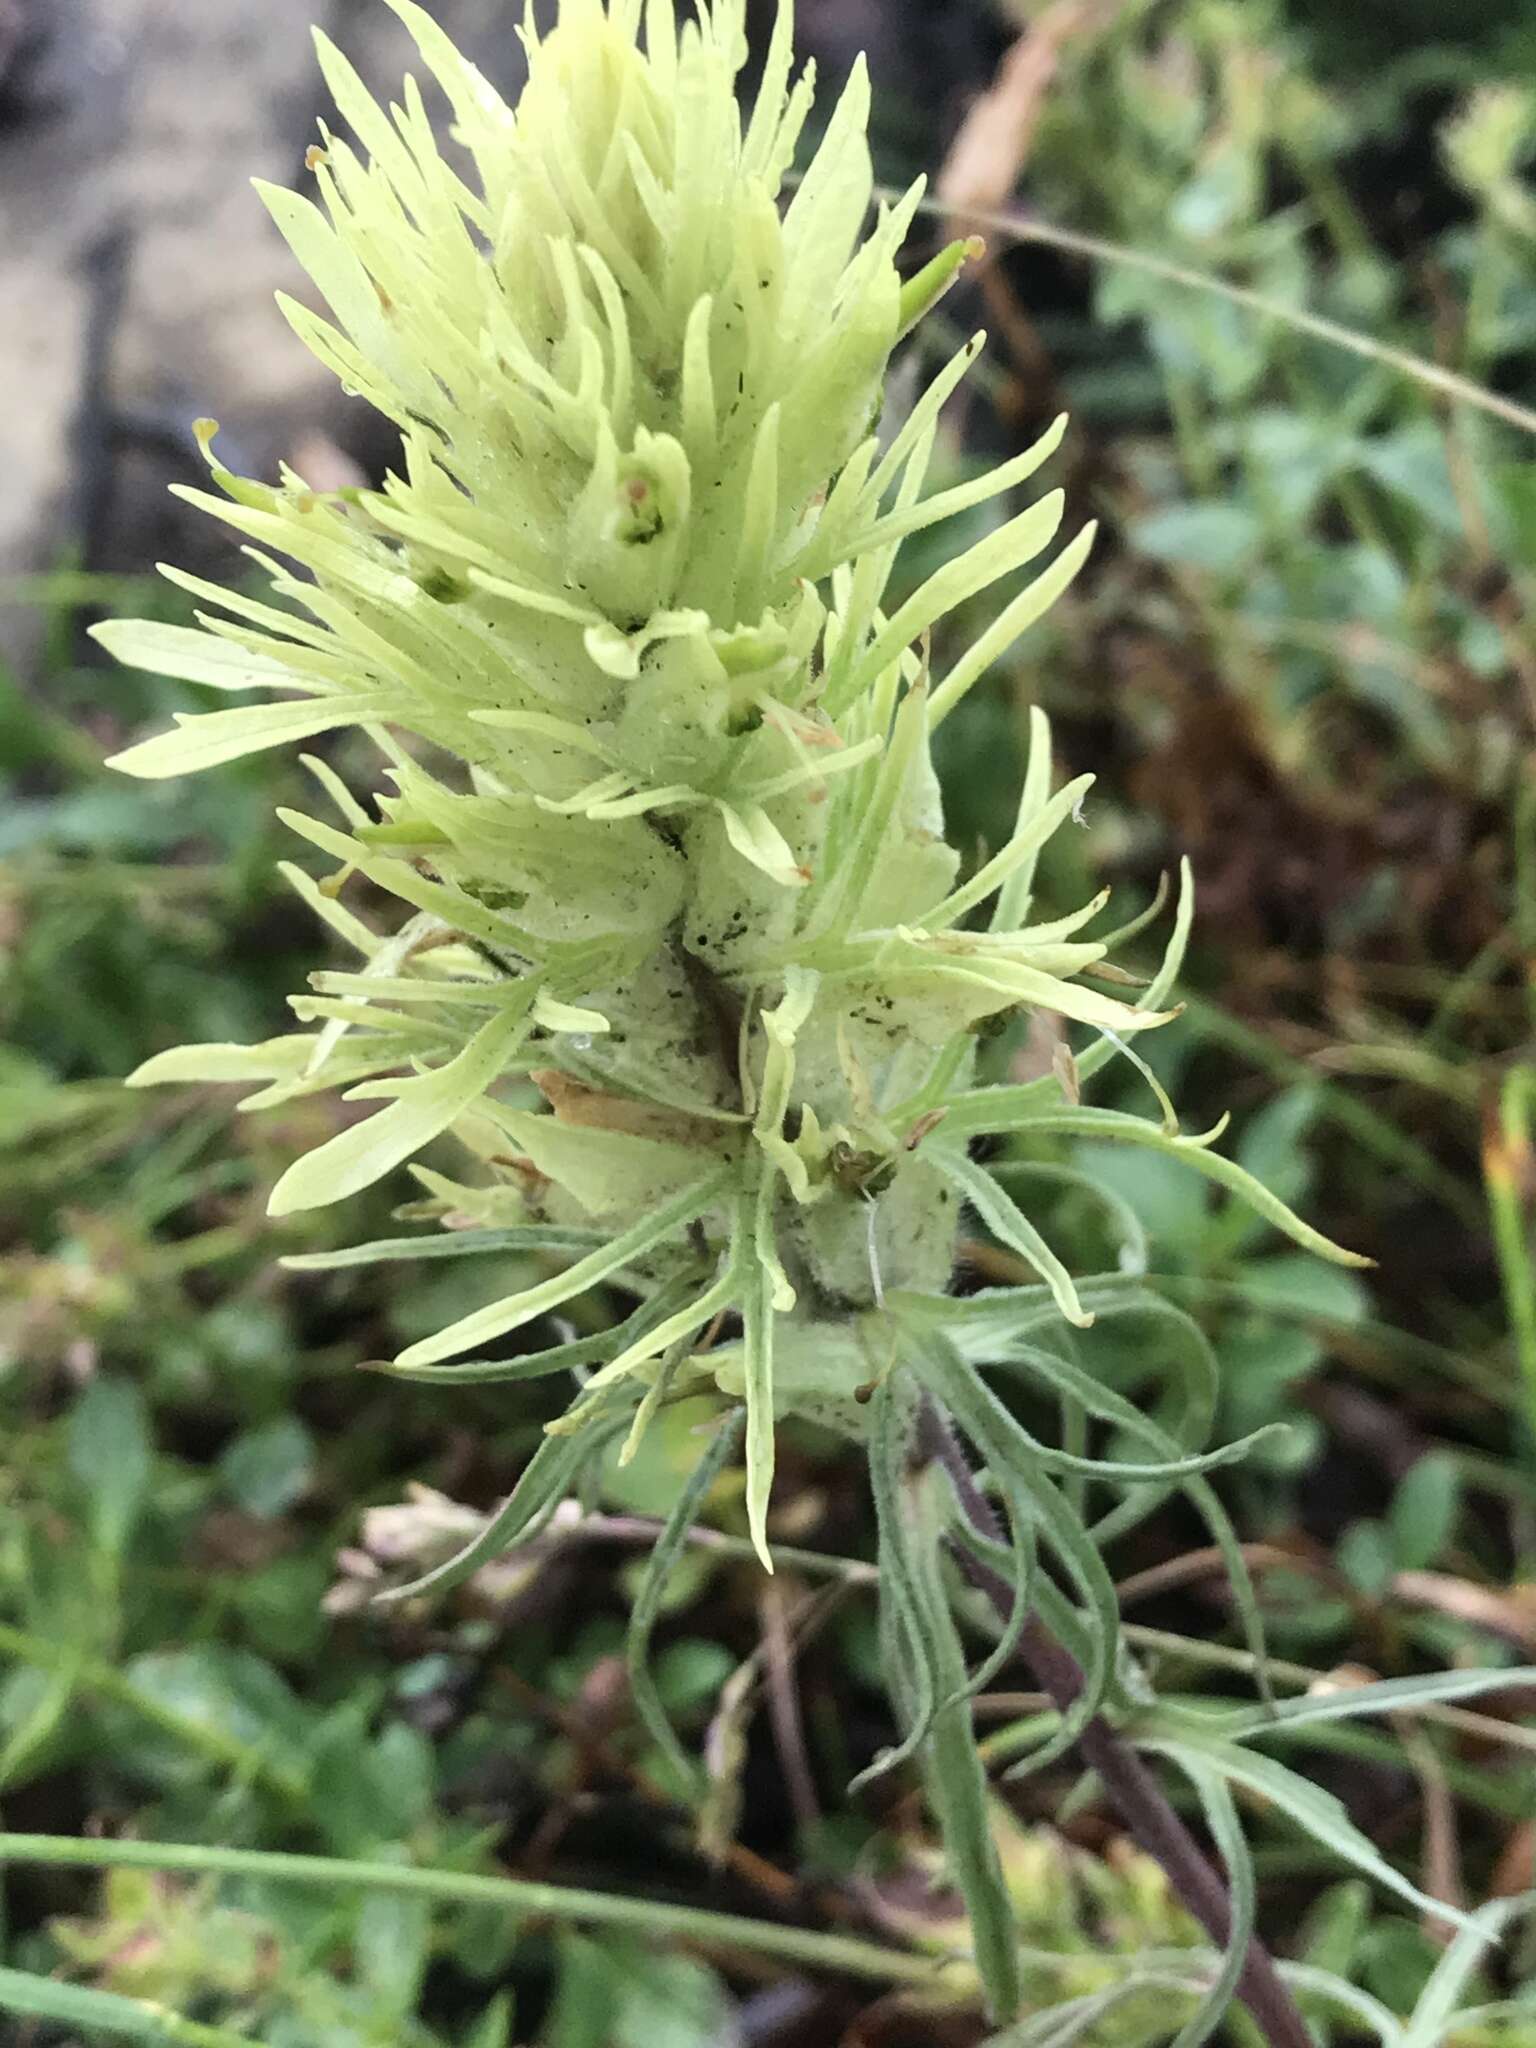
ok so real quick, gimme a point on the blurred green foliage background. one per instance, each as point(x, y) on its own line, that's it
point(1302, 655)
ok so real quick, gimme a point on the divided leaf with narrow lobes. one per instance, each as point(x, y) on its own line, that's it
point(682, 953)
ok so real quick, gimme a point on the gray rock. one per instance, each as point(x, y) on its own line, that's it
point(137, 267)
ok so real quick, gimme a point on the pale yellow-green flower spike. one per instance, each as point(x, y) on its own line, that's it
point(679, 930)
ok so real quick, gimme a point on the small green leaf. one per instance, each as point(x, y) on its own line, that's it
point(1008, 1223)
point(1332, 1929)
point(190, 655)
point(110, 1454)
point(1226, 1828)
point(690, 1673)
point(920, 294)
point(390, 1950)
point(544, 1481)
point(268, 1468)
point(757, 1329)
point(648, 1602)
point(1008, 548)
point(1433, 2016)
point(658, 1228)
point(957, 1779)
point(190, 1063)
point(1008, 1451)
point(1412, 463)
point(452, 1244)
point(1424, 1510)
point(907, 1660)
point(1384, 1696)
point(1218, 538)
point(984, 1110)
point(1365, 1555)
point(1016, 618)
point(493, 2029)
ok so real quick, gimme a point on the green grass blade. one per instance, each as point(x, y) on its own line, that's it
point(957, 1779)
point(108, 2013)
point(1318, 1813)
point(648, 1599)
point(657, 1918)
point(1226, 1828)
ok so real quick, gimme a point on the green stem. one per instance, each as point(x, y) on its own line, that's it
point(1095, 249)
point(841, 1954)
point(1482, 297)
point(1337, 211)
point(1226, 1656)
point(1190, 436)
point(1525, 885)
point(107, 2012)
point(1509, 1174)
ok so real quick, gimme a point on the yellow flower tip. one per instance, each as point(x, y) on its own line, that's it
point(1198, 1141)
point(125, 763)
point(283, 1201)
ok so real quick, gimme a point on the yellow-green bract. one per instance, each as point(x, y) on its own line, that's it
point(683, 954)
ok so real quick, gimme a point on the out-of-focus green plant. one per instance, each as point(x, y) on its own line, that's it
point(1328, 531)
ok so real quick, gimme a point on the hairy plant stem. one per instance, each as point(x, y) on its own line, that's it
point(1130, 1786)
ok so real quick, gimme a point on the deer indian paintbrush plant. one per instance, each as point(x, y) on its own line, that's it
point(682, 955)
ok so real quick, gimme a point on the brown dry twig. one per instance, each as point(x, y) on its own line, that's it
point(1509, 1612)
point(988, 155)
point(992, 147)
point(784, 1702)
point(1199, 1564)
